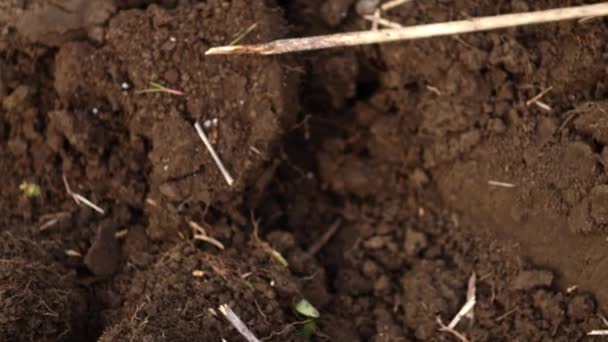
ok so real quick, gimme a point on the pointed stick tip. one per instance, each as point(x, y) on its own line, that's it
point(239, 50)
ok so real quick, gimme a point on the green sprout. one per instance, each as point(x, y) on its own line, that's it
point(309, 327)
point(249, 284)
point(306, 309)
point(280, 258)
point(30, 190)
point(264, 245)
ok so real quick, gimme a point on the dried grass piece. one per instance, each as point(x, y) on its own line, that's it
point(414, 32)
point(237, 323)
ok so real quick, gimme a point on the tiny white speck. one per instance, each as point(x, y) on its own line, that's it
point(215, 121)
point(166, 167)
point(207, 123)
point(95, 111)
point(125, 86)
point(242, 102)
point(172, 39)
point(272, 283)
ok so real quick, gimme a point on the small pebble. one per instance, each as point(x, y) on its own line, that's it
point(365, 7)
point(95, 111)
point(125, 86)
point(375, 242)
point(415, 242)
point(382, 285)
point(370, 268)
point(418, 178)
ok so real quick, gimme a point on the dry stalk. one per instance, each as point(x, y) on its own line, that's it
point(377, 20)
point(79, 199)
point(598, 333)
point(539, 96)
point(392, 4)
point(501, 184)
point(216, 158)
point(465, 311)
point(200, 234)
point(445, 328)
point(329, 233)
point(237, 323)
point(414, 32)
point(265, 246)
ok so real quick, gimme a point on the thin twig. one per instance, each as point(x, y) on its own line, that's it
point(201, 234)
point(88, 203)
point(53, 220)
point(329, 233)
point(598, 333)
point(466, 308)
point(49, 224)
point(471, 295)
point(465, 311)
point(375, 20)
point(445, 328)
point(603, 318)
point(414, 32)
point(256, 151)
point(243, 35)
point(381, 21)
point(571, 289)
point(433, 90)
point(506, 314)
point(570, 117)
point(543, 106)
point(285, 329)
point(392, 4)
point(588, 19)
point(214, 155)
point(237, 323)
point(79, 199)
point(159, 88)
point(539, 96)
point(73, 253)
point(501, 184)
point(121, 233)
point(265, 245)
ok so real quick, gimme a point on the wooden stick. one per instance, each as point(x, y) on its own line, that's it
point(413, 32)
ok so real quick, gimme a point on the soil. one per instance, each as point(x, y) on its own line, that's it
point(424, 160)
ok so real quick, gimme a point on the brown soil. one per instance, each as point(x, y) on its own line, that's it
point(394, 144)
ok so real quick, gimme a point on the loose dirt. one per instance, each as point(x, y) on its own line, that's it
point(427, 156)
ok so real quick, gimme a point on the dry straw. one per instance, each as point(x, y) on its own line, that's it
point(414, 32)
